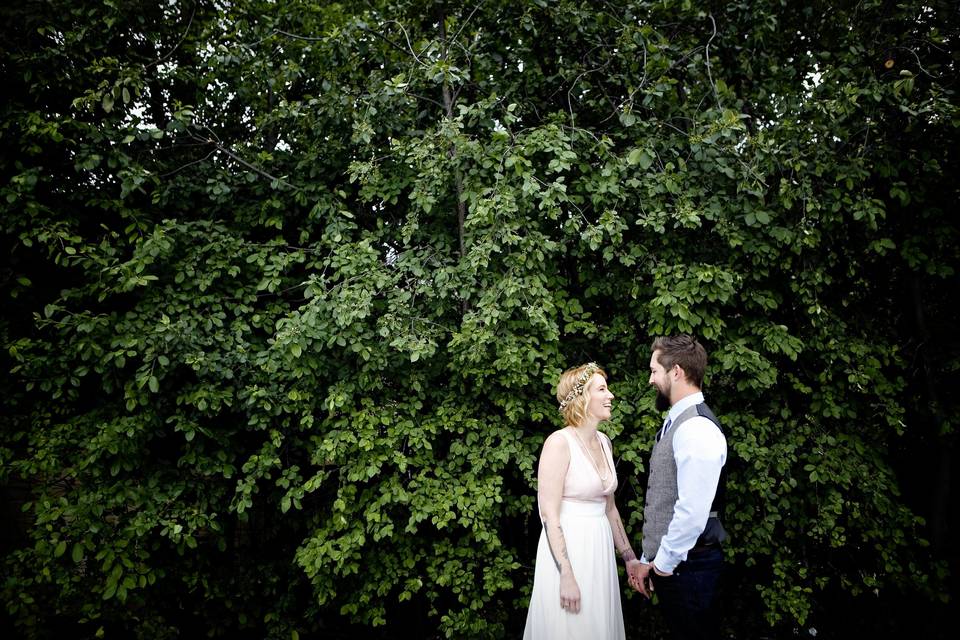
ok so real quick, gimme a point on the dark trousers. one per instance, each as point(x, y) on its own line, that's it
point(688, 597)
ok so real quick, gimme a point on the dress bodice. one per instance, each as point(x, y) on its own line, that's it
point(582, 481)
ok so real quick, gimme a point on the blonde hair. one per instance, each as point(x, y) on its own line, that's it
point(572, 392)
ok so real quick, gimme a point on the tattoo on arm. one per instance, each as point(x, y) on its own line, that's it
point(546, 528)
point(621, 541)
point(557, 545)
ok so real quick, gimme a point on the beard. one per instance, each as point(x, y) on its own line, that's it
point(662, 402)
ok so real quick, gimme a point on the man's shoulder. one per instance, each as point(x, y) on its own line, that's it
point(698, 428)
point(704, 411)
point(698, 410)
point(698, 421)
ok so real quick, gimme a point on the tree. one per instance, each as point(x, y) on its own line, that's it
point(290, 286)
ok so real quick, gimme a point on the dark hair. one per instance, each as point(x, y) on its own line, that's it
point(685, 351)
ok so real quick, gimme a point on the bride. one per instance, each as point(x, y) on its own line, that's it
point(576, 590)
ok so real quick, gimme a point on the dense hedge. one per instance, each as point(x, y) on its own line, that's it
point(287, 286)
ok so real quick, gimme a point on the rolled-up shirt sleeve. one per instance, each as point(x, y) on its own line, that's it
point(700, 451)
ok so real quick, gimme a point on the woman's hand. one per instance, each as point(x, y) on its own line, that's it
point(640, 578)
point(569, 593)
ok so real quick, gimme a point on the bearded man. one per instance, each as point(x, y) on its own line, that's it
point(682, 534)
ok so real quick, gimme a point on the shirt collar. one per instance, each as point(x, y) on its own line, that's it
point(684, 404)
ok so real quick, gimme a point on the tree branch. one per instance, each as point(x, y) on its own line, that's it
point(220, 147)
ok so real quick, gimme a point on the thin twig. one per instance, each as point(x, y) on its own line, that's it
point(417, 95)
point(709, 74)
point(465, 22)
point(220, 147)
point(179, 169)
point(179, 42)
point(919, 65)
point(574, 84)
point(296, 36)
point(406, 37)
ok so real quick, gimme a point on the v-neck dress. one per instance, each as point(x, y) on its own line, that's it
point(589, 541)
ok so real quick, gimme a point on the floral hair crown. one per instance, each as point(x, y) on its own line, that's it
point(592, 368)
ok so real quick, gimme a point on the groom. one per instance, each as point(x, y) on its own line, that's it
point(682, 558)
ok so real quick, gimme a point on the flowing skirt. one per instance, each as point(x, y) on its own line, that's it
point(589, 541)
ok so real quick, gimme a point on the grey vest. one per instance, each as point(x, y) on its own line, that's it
point(662, 492)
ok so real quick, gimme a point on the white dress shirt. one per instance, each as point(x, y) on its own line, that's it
point(700, 451)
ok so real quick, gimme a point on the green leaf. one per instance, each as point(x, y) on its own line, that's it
point(640, 157)
point(428, 274)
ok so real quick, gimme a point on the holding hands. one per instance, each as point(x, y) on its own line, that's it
point(638, 575)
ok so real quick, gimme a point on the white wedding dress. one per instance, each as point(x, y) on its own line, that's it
point(589, 542)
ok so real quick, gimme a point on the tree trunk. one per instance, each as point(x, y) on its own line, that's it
point(448, 100)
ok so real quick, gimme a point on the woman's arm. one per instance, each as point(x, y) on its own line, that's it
point(620, 540)
point(554, 461)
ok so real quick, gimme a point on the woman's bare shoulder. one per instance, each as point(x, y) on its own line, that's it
point(556, 441)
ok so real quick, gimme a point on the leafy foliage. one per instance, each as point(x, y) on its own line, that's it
point(289, 286)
